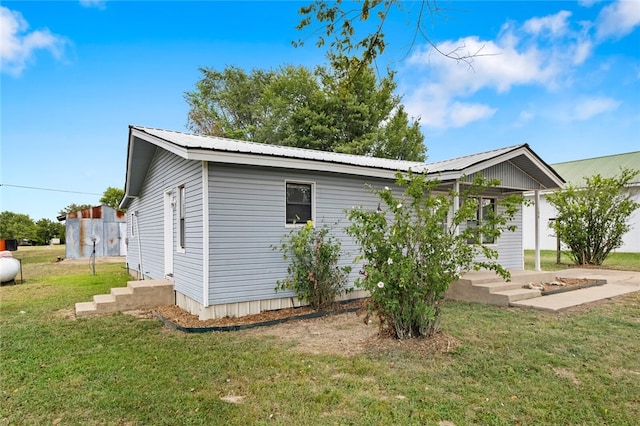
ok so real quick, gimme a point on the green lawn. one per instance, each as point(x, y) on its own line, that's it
point(548, 259)
point(512, 367)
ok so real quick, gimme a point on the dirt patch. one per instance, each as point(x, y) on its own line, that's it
point(339, 333)
point(566, 374)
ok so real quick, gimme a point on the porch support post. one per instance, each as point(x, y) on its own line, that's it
point(456, 202)
point(537, 227)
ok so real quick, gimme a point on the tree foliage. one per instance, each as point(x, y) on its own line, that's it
point(340, 21)
point(47, 229)
point(17, 226)
point(112, 197)
point(324, 109)
point(73, 207)
point(413, 248)
point(591, 221)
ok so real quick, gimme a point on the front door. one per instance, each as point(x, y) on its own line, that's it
point(168, 234)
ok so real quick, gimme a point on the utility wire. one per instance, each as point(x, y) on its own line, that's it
point(48, 189)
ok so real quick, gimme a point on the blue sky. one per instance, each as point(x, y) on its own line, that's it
point(561, 76)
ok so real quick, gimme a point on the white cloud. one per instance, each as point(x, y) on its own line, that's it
point(18, 45)
point(462, 114)
point(587, 3)
point(524, 117)
point(556, 25)
point(437, 109)
point(581, 51)
point(590, 107)
point(618, 19)
point(543, 51)
point(100, 4)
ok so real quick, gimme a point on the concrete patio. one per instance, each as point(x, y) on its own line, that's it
point(487, 287)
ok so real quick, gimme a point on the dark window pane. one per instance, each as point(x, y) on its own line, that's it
point(298, 203)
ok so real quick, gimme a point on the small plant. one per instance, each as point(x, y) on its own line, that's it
point(314, 273)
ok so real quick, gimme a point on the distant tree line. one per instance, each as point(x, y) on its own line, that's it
point(21, 227)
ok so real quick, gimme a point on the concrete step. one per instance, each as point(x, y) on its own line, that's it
point(136, 295)
point(495, 287)
point(488, 287)
point(85, 309)
point(514, 295)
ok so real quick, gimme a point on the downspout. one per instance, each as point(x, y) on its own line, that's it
point(536, 203)
point(205, 234)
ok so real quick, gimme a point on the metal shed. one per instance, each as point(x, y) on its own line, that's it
point(101, 227)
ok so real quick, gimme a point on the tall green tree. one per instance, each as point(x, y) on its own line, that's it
point(592, 220)
point(16, 226)
point(325, 109)
point(47, 229)
point(112, 197)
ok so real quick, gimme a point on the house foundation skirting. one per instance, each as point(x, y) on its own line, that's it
point(240, 309)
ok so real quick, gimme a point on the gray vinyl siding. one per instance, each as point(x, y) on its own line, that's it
point(247, 211)
point(166, 172)
point(510, 245)
point(188, 266)
point(247, 219)
point(509, 176)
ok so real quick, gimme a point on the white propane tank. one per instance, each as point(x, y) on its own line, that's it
point(9, 267)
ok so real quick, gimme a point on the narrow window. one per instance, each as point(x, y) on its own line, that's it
point(299, 199)
point(473, 225)
point(132, 224)
point(181, 217)
point(485, 211)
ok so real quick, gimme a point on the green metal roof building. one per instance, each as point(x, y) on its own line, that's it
point(609, 166)
point(574, 173)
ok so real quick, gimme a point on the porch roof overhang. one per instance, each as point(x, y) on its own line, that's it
point(144, 141)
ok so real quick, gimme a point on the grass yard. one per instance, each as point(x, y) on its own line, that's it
point(548, 258)
point(512, 367)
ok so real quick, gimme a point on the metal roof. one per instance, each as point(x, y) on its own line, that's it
point(608, 166)
point(461, 163)
point(144, 140)
point(212, 143)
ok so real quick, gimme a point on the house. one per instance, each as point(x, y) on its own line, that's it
point(575, 172)
point(99, 229)
point(206, 212)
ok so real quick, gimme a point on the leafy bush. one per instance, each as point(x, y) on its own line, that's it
point(313, 271)
point(413, 250)
point(591, 221)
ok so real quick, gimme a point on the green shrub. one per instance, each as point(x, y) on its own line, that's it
point(413, 250)
point(314, 274)
point(592, 220)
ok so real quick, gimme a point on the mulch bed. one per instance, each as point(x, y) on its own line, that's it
point(182, 320)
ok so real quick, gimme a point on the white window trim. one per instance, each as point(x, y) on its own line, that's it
point(479, 211)
point(313, 202)
point(133, 228)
